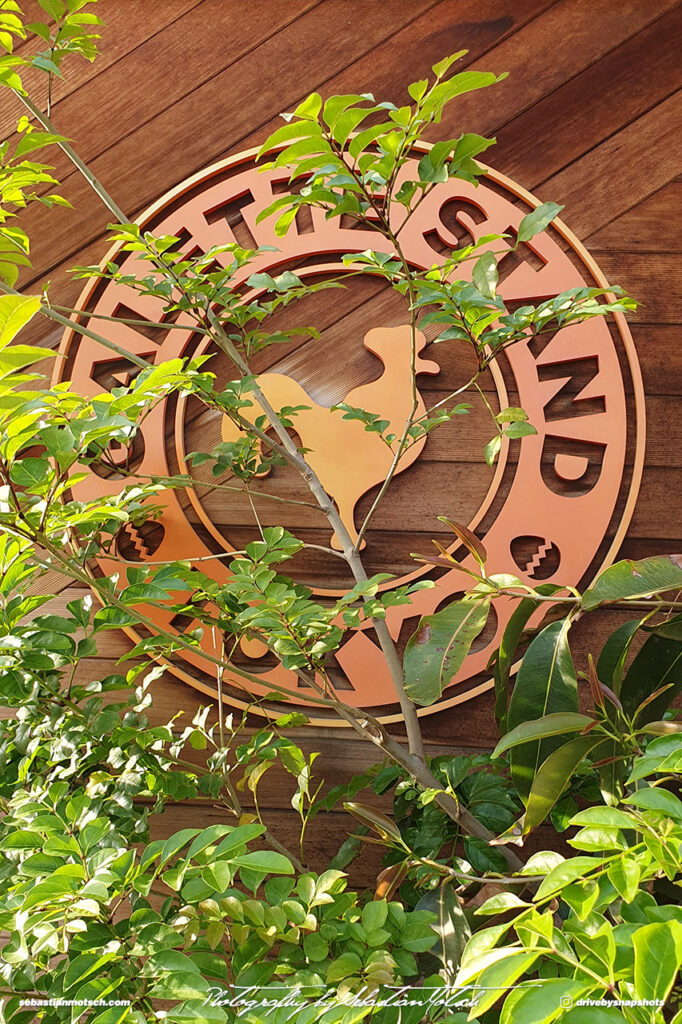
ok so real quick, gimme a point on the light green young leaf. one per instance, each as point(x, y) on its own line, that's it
point(15, 313)
point(536, 221)
point(493, 981)
point(565, 873)
point(485, 275)
point(658, 956)
point(265, 861)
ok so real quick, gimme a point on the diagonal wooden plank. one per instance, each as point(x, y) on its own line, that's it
point(642, 275)
point(651, 226)
point(126, 27)
point(160, 71)
point(621, 172)
point(593, 105)
point(155, 157)
point(199, 126)
point(562, 42)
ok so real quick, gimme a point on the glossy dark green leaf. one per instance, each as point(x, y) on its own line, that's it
point(557, 724)
point(553, 776)
point(509, 646)
point(436, 652)
point(629, 580)
point(545, 684)
point(611, 662)
point(658, 663)
point(451, 927)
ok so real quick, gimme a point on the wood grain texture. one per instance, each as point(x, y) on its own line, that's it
point(127, 26)
point(589, 117)
point(622, 171)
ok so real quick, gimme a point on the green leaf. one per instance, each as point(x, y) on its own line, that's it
point(55, 8)
point(436, 652)
point(519, 429)
point(501, 902)
point(15, 313)
point(492, 449)
point(112, 1015)
point(485, 275)
point(238, 837)
point(376, 820)
point(374, 915)
point(546, 683)
point(512, 414)
point(652, 798)
point(508, 647)
point(17, 356)
point(218, 875)
point(21, 839)
point(492, 982)
point(630, 580)
point(625, 875)
point(662, 755)
point(176, 843)
point(611, 662)
point(551, 725)
point(83, 966)
point(542, 1002)
point(658, 955)
point(658, 663)
point(607, 817)
point(310, 107)
point(552, 778)
point(185, 985)
point(565, 873)
point(592, 1015)
point(343, 967)
point(206, 838)
point(535, 222)
point(451, 927)
point(661, 728)
point(267, 861)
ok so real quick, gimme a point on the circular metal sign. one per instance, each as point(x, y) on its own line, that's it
point(554, 508)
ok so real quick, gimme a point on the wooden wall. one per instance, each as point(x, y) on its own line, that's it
point(589, 117)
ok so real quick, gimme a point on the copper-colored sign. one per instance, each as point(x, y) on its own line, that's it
point(554, 508)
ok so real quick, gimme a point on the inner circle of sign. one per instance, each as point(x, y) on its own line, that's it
point(360, 462)
point(537, 516)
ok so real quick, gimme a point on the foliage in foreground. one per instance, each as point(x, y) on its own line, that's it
point(175, 929)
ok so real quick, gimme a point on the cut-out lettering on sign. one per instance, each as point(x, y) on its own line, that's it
point(553, 509)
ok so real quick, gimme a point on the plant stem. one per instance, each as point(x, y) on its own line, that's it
point(79, 329)
point(414, 736)
point(92, 181)
point(415, 740)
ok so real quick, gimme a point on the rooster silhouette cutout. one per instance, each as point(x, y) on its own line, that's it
point(348, 459)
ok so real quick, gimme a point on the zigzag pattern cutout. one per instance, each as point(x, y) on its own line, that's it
point(138, 543)
point(536, 560)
